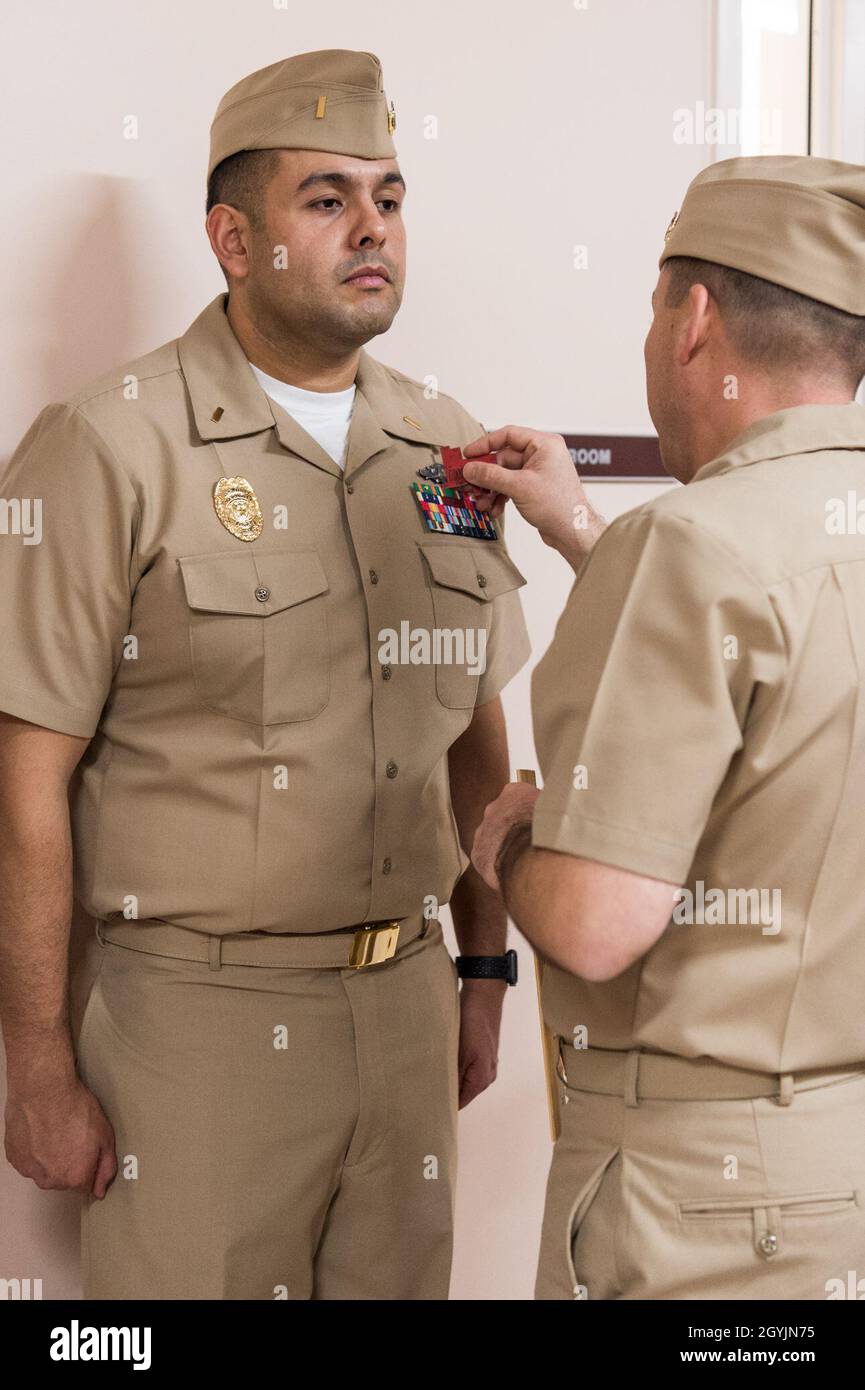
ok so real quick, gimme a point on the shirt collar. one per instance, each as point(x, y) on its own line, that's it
point(227, 401)
point(801, 429)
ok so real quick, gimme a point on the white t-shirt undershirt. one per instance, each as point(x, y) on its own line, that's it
point(326, 415)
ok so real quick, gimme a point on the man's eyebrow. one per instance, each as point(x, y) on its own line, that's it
point(342, 180)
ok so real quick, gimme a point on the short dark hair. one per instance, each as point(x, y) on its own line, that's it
point(771, 326)
point(241, 181)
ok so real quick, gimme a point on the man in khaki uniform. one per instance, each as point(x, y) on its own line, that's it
point(691, 870)
point(261, 812)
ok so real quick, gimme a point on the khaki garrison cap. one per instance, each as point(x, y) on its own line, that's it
point(795, 220)
point(330, 100)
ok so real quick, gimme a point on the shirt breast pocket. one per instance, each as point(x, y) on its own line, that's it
point(258, 633)
point(464, 580)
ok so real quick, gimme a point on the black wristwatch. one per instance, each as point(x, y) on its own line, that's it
point(488, 967)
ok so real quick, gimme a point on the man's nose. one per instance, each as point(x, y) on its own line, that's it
point(369, 226)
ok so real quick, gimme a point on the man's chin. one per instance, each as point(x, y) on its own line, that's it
point(368, 321)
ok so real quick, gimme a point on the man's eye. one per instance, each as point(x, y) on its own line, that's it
point(387, 204)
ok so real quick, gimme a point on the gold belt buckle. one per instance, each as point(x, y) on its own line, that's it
point(374, 944)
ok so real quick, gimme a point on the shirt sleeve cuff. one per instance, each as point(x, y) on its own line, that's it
point(625, 848)
point(48, 713)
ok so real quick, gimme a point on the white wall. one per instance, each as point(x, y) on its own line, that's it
point(554, 129)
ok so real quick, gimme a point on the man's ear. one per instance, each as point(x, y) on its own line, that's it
point(228, 233)
point(696, 323)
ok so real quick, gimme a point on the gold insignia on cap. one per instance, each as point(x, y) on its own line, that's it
point(238, 508)
point(391, 119)
point(669, 232)
point(320, 105)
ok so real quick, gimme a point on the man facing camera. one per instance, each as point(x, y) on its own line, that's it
point(269, 792)
point(691, 870)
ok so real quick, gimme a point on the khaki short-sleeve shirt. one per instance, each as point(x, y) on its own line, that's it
point(700, 719)
point(262, 755)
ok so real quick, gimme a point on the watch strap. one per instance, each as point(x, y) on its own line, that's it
point(502, 967)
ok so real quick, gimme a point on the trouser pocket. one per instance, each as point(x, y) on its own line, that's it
point(576, 1217)
point(766, 1220)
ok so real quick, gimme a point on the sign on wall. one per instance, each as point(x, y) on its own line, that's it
point(617, 458)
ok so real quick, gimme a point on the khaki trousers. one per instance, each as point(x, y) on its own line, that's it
point(705, 1199)
point(281, 1132)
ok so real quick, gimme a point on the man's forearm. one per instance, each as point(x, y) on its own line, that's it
point(511, 865)
point(575, 544)
point(480, 920)
point(479, 768)
point(529, 896)
point(35, 915)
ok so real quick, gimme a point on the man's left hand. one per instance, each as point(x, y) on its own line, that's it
point(514, 805)
point(480, 1023)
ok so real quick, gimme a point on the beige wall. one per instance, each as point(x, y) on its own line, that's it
point(554, 129)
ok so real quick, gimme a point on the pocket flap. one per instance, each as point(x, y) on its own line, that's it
point(795, 1204)
point(478, 570)
point(236, 582)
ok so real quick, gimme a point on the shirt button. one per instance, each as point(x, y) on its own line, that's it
point(349, 487)
point(386, 866)
point(769, 1244)
point(482, 581)
point(262, 595)
point(391, 769)
point(386, 672)
point(373, 576)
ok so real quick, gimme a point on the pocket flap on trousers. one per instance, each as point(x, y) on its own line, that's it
point(254, 585)
point(794, 1204)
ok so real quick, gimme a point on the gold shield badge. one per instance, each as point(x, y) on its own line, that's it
point(238, 508)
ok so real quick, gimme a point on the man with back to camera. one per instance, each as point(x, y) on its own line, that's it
point(259, 810)
point(691, 870)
